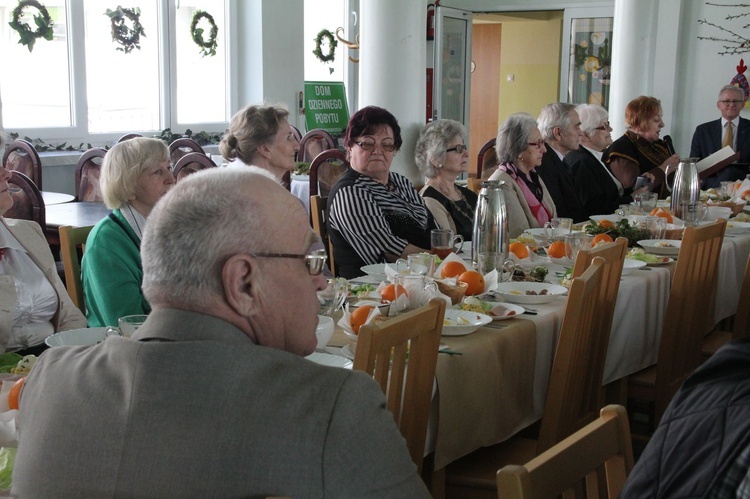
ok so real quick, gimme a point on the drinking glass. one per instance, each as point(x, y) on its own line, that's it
point(130, 323)
point(656, 226)
point(646, 202)
point(443, 242)
point(557, 227)
point(333, 296)
point(419, 290)
point(575, 242)
point(417, 263)
point(693, 213)
point(726, 190)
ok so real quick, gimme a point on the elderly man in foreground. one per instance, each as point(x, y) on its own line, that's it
point(211, 396)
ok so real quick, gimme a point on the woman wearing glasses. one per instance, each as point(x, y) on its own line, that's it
point(640, 151)
point(441, 155)
point(520, 148)
point(374, 215)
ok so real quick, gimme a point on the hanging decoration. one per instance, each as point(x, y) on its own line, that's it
point(208, 47)
point(352, 45)
point(127, 38)
point(733, 37)
point(332, 43)
point(43, 23)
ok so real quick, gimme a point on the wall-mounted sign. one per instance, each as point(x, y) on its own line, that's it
point(325, 106)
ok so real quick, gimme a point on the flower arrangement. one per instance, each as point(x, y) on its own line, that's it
point(208, 47)
point(127, 38)
point(43, 23)
point(332, 43)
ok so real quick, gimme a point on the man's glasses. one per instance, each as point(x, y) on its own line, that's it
point(314, 260)
point(728, 102)
point(370, 146)
point(539, 143)
point(604, 127)
point(460, 148)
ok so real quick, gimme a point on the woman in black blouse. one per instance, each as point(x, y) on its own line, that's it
point(442, 155)
point(374, 214)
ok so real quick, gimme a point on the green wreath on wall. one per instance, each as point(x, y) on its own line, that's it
point(43, 23)
point(208, 47)
point(127, 38)
point(332, 43)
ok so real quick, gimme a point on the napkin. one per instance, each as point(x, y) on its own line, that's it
point(8, 434)
point(345, 321)
point(741, 192)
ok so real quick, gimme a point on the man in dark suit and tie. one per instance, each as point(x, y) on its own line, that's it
point(561, 131)
point(731, 130)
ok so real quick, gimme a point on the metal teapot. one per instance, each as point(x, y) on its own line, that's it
point(491, 232)
point(686, 186)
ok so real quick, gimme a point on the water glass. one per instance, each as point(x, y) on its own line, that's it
point(333, 296)
point(417, 263)
point(444, 242)
point(693, 213)
point(419, 290)
point(557, 227)
point(575, 242)
point(645, 202)
point(130, 323)
point(656, 226)
point(726, 189)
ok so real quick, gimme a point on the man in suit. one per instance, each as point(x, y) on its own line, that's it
point(730, 130)
point(211, 396)
point(561, 131)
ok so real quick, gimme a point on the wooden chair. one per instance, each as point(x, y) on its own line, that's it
point(88, 169)
point(71, 238)
point(686, 321)
point(181, 147)
point(20, 155)
point(603, 443)
point(487, 159)
point(313, 143)
point(383, 351)
point(28, 203)
point(614, 258)
point(566, 408)
point(718, 338)
point(295, 131)
point(325, 170)
point(191, 163)
point(128, 136)
point(318, 212)
point(474, 184)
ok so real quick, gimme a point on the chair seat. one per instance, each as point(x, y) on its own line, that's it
point(715, 340)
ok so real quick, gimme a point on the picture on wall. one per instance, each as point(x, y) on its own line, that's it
point(590, 60)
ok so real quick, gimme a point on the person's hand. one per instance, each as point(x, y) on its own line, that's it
point(671, 161)
point(650, 176)
point(642, 190)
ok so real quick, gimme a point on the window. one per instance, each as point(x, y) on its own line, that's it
point(79, 86)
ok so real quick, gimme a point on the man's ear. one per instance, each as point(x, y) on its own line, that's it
point(239, 277)
point(557, 133)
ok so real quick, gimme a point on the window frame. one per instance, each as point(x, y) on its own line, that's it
point(78, 133)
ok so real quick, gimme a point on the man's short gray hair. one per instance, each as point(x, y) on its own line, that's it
point(432, 143)
point(554, 115)
point(591, 115)
point(192, 231)
point(732, 88)
point(513, 137)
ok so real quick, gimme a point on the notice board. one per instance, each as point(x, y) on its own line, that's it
point(326, 106)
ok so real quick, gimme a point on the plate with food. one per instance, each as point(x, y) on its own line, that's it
point(737, 227)
point(664, 247)
point(531, 293)
point(462, 322)
point(497, 311)
point(647, 258)
point(629, 265)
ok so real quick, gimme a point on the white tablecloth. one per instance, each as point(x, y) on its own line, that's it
point(301, 189)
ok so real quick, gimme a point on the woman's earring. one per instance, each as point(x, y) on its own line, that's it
point(440, 165)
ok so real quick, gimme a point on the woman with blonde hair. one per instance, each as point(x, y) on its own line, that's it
point(261, 136)
point(135, 174)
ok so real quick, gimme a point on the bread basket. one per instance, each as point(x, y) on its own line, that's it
point(454, 292)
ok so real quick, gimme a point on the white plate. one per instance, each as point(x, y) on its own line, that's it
point(462, 322)
point(349, 350)
point(564, 261)
point(630, 265)
point(77, 337)
point(737, 227)
point(515, 292)
point(327, 359)
point(375, 268)
point(612, 218)
point(657, 246)
point(666, 261)
point(508, 307)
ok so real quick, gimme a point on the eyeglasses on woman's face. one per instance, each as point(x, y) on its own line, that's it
point(370, 145)
point(460, 148)
point(538, 144)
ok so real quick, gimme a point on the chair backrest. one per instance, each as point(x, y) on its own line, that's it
point(128, 136)
point(613, 255)
point(21, 156)
point(742, 317)
point(318, 212)
point(313, 143)
point(295, 131)
point(191, 163)
point(487, 159)
point(560, 470)
point(325, 170)
point(71, 238)
point(28, 203)
point(568, 406)
point(88, 169)
point(474, 184)
point(383, 351)
point(181, 147)
point(687, 317)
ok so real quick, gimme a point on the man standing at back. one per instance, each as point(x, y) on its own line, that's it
point(729, 130)
point(211, 396)
point(561, 131)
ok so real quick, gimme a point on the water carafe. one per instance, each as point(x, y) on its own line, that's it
point(490, 233)
point(686, 187)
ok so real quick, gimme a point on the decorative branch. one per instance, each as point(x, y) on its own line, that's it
point(737, 44)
